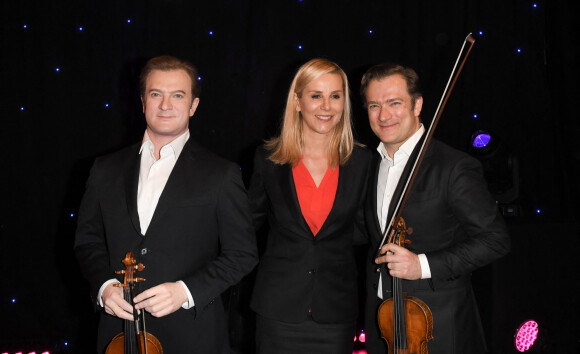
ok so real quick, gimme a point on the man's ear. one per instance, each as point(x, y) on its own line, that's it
point(193, 107)
point(418, 106)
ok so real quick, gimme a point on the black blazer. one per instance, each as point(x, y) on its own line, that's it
point(200, 233)
point(456, 223)
point(299, 272)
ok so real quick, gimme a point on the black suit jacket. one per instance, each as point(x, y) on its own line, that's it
point(299, 272)
point(457, 225)
point(200, 233)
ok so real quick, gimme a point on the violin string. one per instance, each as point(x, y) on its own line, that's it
point(399, 316)
point(144, 331)
point(396, 315)
point(129, 329)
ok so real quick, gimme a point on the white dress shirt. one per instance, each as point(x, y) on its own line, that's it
point(390, 171)
point(153, 175)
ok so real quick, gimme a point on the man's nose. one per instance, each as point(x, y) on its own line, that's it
point(165, 103)
point(384, 114)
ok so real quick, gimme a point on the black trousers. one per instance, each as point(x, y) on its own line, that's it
point(276, 337)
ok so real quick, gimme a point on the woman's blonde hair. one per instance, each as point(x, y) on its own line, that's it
point(287, 148)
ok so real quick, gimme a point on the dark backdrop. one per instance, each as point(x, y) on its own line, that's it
point(69, 93)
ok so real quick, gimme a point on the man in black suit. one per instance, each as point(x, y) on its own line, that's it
point(456, 225)
point(182, 210)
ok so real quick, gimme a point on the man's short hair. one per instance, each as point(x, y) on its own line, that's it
point(381, 71)
point(169, 63)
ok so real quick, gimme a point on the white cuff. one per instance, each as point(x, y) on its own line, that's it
point(425, 270)
point(425, 274)
point(102, 288)
point(188, 304)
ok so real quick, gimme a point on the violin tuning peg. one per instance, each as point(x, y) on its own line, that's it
point(409, 231)
point(408, 242)
point(117, 285)
point(120, 272)
point(138, 280)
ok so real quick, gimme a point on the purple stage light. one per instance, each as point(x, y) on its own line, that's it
point(480, 139)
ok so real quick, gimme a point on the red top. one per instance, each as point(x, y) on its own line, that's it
point(315, 202)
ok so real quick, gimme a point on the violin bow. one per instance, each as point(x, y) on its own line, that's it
point(469, 41)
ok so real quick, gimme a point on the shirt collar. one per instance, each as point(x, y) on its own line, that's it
point(177, 144)
point(406, 148)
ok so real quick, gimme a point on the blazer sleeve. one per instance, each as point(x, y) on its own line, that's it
point(484, 237)
point(364, 158)
point(257, 191)
point(90, 245)
point(238, 253)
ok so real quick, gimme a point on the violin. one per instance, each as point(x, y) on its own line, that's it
point(134, 339)
point(406, 323)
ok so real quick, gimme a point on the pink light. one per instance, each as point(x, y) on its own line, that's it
point(354, 339)
point(362, 337)
point(526, 335)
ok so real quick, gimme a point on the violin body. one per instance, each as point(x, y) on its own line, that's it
point(406, 323)
point(419, 325)
point(117, 345)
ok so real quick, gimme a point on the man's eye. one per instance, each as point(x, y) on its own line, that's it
point(178, 95)
point(155, 94)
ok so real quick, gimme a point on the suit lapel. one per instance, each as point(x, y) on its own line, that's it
point(284, 175)
point(131, 185)
point(403, 180)
point(373, 194)
point(342, 193)
point(176, 183)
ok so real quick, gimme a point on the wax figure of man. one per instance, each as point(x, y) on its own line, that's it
point(456, 225)
point(182, 210)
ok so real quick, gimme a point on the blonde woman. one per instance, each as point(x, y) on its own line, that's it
point(309, 184)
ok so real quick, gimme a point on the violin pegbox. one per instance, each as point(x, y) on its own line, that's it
point(131, 267)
